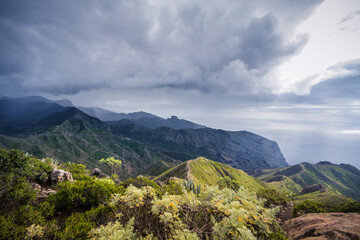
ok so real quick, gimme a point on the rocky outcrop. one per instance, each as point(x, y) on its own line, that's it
point(59, 175)
point(98, 173)
point(313, 188)
point(42, 192)
point(344, 226)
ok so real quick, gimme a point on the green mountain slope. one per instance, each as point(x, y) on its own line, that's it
point(243, 150)
point(343, 178)
point(47, 129)
point(206, 172)
point(84, 139)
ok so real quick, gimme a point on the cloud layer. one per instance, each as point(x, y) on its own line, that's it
point(67, 47)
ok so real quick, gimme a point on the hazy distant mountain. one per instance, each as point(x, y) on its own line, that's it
point(343, 178)
point(143, 119)
point(106, 115)
point(63, 102)
point(157, 122)
point(22, 116)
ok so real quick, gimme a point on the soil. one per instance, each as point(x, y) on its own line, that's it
point(324, 226)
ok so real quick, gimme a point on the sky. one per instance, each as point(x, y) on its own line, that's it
point(285, 69)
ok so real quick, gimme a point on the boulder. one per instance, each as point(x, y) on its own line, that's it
point(98, 173)
point(59, 175)
point(343, 226)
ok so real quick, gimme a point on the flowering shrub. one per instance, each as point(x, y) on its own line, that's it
point(210, 214)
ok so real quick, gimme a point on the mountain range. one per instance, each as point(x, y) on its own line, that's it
point(48, 129)
point(153, 146)
point(342, 178)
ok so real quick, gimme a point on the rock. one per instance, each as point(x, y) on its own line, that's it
point(98, 173)
point(285, 212)
point(59, 175)
point(345, 226)
point(42, 192)
point(313, 188)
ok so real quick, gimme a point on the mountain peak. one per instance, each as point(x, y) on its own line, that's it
point(207, 172)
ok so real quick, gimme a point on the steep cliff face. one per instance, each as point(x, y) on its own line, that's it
point(243, 150)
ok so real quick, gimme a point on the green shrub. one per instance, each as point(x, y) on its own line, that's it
point(12, 159)
point(273, 196)
point(227, 182)
point(83, 194)
point(308, 207)
point(78, 171)
point(349, 207)
point(172, 188)
point(78, 224)
point(142, 182)
point(47, 210)
point(76, 227)
point(13, 226)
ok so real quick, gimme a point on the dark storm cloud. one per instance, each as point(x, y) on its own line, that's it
point(65, 47)
point(263, 45)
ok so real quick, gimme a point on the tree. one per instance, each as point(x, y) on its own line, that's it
point(112, 163)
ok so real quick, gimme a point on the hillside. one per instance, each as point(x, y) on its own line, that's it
point(84, 139)
point(343, 178)
point(243, 150)
point(47, 129)
point(206, 172)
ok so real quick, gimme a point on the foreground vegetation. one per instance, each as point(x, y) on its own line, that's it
point(105, 208)
point(137, 208)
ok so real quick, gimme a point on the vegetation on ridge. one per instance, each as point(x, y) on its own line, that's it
point(103, 209)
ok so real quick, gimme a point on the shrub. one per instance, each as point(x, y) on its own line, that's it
point(78, 171)
point(227, 182)
point(112, 163)
point(172, 188)
point(308, 207)
point(273, 196)
point(83, 194)
point(12, 159)
point(142, 182)
point(14, 190)
point(76, 227)
point(211, 214)
point(349, 207)
point(78, 224)
point(13, 226)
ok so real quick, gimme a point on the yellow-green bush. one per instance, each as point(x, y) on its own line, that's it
point(212, 214)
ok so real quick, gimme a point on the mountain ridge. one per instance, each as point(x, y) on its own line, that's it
point(342, 178)
point(207, 172)
point(69, 134)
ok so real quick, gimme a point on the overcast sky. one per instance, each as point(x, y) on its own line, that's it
point(286, 69)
